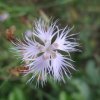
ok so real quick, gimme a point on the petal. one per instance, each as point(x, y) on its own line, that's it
point(40, 68)
point(64, 43)
point(45, 31)
point(60, 66)
point(27, 50)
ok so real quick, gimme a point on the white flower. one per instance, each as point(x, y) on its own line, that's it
point(4, 16)
point(47, 52)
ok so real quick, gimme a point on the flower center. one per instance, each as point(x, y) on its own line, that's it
point(50, 50)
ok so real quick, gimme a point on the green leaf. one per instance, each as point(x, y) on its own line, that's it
point(62, 96)
point(93, 73)
point(16, 94)
point(83, 90)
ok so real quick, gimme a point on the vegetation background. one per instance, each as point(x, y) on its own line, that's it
point(85, 16)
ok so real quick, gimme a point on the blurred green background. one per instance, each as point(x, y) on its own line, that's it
point(85, 16)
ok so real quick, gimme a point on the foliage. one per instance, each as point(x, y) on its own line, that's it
point(85, 16)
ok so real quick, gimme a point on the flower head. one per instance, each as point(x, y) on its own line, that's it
point(47, 52)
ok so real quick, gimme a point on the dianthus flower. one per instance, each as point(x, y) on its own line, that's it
point(47, 51)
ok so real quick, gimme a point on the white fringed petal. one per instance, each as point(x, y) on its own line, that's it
point(40, 68)
point(65, 44)
point(43, 31)
point(27, 50)
point(60, 66)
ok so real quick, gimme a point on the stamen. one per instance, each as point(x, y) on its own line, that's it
point(40, 47)
point(53, 54)
point(56, 45)
point(45, 56)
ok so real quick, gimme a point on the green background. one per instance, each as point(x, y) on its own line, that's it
point(85, 16)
